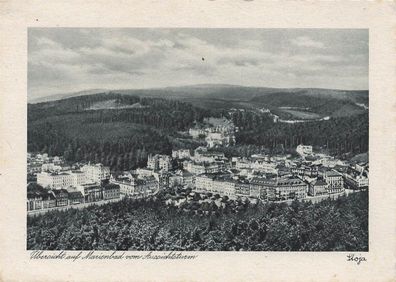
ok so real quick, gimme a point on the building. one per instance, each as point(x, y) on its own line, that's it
point(60, 180)
point(48, 200)
point(96, 173)
point(222, 125)
point(144, 172)
point(208, 157)
point(204, 182)
point(200, 168)
point(318, 187)
point(33, 168)
point(75, 197)
point(356, 182)
point(241, 163)
point(132, 186)
point(290, 189)
point(263, 188)
point(217, 184)
point(197, 132)
point(263, 166)
point(242, 188)
point(334, 180)
point(111, 191)
point(278, 189)
point(79, 177)
point(55, 180)
point(34, 201)
point(159, 162)
point(194, 167)
point(218, 139)
point(216, 131)
point(92, 192)
point(357, 176)
point(165, 163)
point(304, 171)
point(257, 164)
point(50, 167)
point(304, 150)
point(181, 154)
point(162, 178)
point(224, 187)
point(152, 162)
point(175, 180)
point(62, 197)
point(182, 178)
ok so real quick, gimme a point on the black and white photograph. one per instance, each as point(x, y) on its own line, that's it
point(198, 139)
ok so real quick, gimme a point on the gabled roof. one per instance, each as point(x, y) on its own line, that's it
point(58, 192)
point(320, 182)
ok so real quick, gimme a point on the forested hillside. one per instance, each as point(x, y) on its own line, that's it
point(324, 106)
point(331, 225)
point(119, 138)
point(339, 135)
point(122, 136)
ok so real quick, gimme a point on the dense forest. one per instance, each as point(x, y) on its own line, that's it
point(331, 225)
point(339, 135)
point(119, 138)
point(123, 137)
point(156, 112)
point(324, 106)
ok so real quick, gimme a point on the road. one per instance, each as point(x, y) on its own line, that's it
point(78, 206)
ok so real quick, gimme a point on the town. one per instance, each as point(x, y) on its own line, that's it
point(307, 175)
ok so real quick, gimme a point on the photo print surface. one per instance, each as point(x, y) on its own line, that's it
point(190, 139)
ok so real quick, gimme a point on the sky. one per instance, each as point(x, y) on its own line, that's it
point(63, 60)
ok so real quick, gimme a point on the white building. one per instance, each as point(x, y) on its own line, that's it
point(55, 180)
point(159, 162)
point(144, 172)
point(357, 182)
point(258, 164)
point(203, 183)
point(79, 178)
point(221, 186)
point(334, 180)
point(136, 187)
point(165, 163)
point(241, 163)
point(96, 173)
point(194, 167)
point(304, 150)
point(208, 157)
point(181, 154)
point(263, 166)
point(60, 180)
point(50, 167)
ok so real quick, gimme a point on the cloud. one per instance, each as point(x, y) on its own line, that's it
point(127, 58)
point(305, 41)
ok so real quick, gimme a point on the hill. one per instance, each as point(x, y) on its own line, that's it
point(320, 102)
point(223, 91)
point(120, 137)
point(61, 96)
point(120, 130)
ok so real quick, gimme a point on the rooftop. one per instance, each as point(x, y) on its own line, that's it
point(333, 173)
point(320, 182)
point(75, 195)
